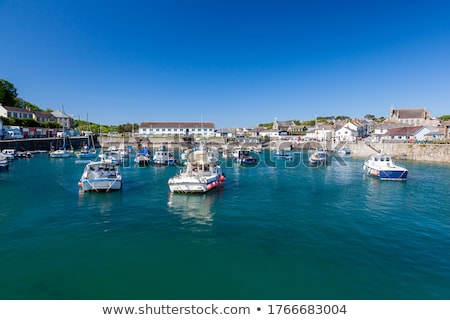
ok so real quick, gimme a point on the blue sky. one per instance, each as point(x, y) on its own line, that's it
point(235, 63)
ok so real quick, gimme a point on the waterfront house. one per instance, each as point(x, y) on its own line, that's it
point(437, 134)
point(345, 133)
point(15, 112)
point(42, 117)
point(184, 129)
point(405, 134)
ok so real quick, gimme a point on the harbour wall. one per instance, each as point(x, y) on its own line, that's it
point(404, 151)
point(43, 144)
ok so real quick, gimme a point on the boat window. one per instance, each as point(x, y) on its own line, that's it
point(382, 159)
point(376, 158)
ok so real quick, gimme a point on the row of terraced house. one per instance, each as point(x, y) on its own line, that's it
point(402, 125)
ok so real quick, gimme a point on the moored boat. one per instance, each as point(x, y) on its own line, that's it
point(281, 154)
point(88, 150)
point(62, 153)
point(382, 166)
point(163, 157)
point(202, 173)
point(102, 175)
point(142, 157)
point(243, 157)
point(4, 165)
point(319, 157)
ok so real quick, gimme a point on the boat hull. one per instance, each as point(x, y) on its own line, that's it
point(193, 185)
point(61, 154)
point(100, 185)
point(384, 174)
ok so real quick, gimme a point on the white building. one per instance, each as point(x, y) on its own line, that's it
point(346, 134)
point(183, 129)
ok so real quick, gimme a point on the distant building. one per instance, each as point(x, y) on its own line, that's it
point(412, 117)
point(204, 129)
point(65, 120)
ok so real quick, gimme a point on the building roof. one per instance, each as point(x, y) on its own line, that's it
point(16, 109)
point(417, 113)
point(403, 131)
point(162, 125)
point(60, 114)
point(43, 114)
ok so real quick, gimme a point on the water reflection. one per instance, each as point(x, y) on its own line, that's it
point(98, 207)
point(193, 208)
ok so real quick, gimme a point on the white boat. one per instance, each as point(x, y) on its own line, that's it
point(87, 151)
point(163, 157)
point(4, 165)
point(118, 154)
point(101, 175)
point(202, 173)
point(64, 152)
point(319, 157)
point(9, 154)
point(381, 166)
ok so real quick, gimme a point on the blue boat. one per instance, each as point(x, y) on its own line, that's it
point(281, 154)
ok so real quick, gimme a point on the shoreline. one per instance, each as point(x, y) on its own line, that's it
point(431, 153)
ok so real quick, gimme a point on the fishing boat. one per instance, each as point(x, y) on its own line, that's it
point(163, 157)
point(102, 175)
point(381, 166)
point(243, 157)
point(319, 157)
point(201, 174)
point(142, 157)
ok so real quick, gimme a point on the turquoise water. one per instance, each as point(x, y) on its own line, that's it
point(280, 230)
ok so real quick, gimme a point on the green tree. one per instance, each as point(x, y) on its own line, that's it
point(444, 117)
point(8, 93)
point(26, 105)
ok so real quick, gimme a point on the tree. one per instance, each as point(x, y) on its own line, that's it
point(8, 93)
point(26, 105)
point(370, 117)
point(444, 117)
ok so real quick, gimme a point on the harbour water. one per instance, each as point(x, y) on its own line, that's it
point(279, 230)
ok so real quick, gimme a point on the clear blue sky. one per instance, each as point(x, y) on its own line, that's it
point(235, 63)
